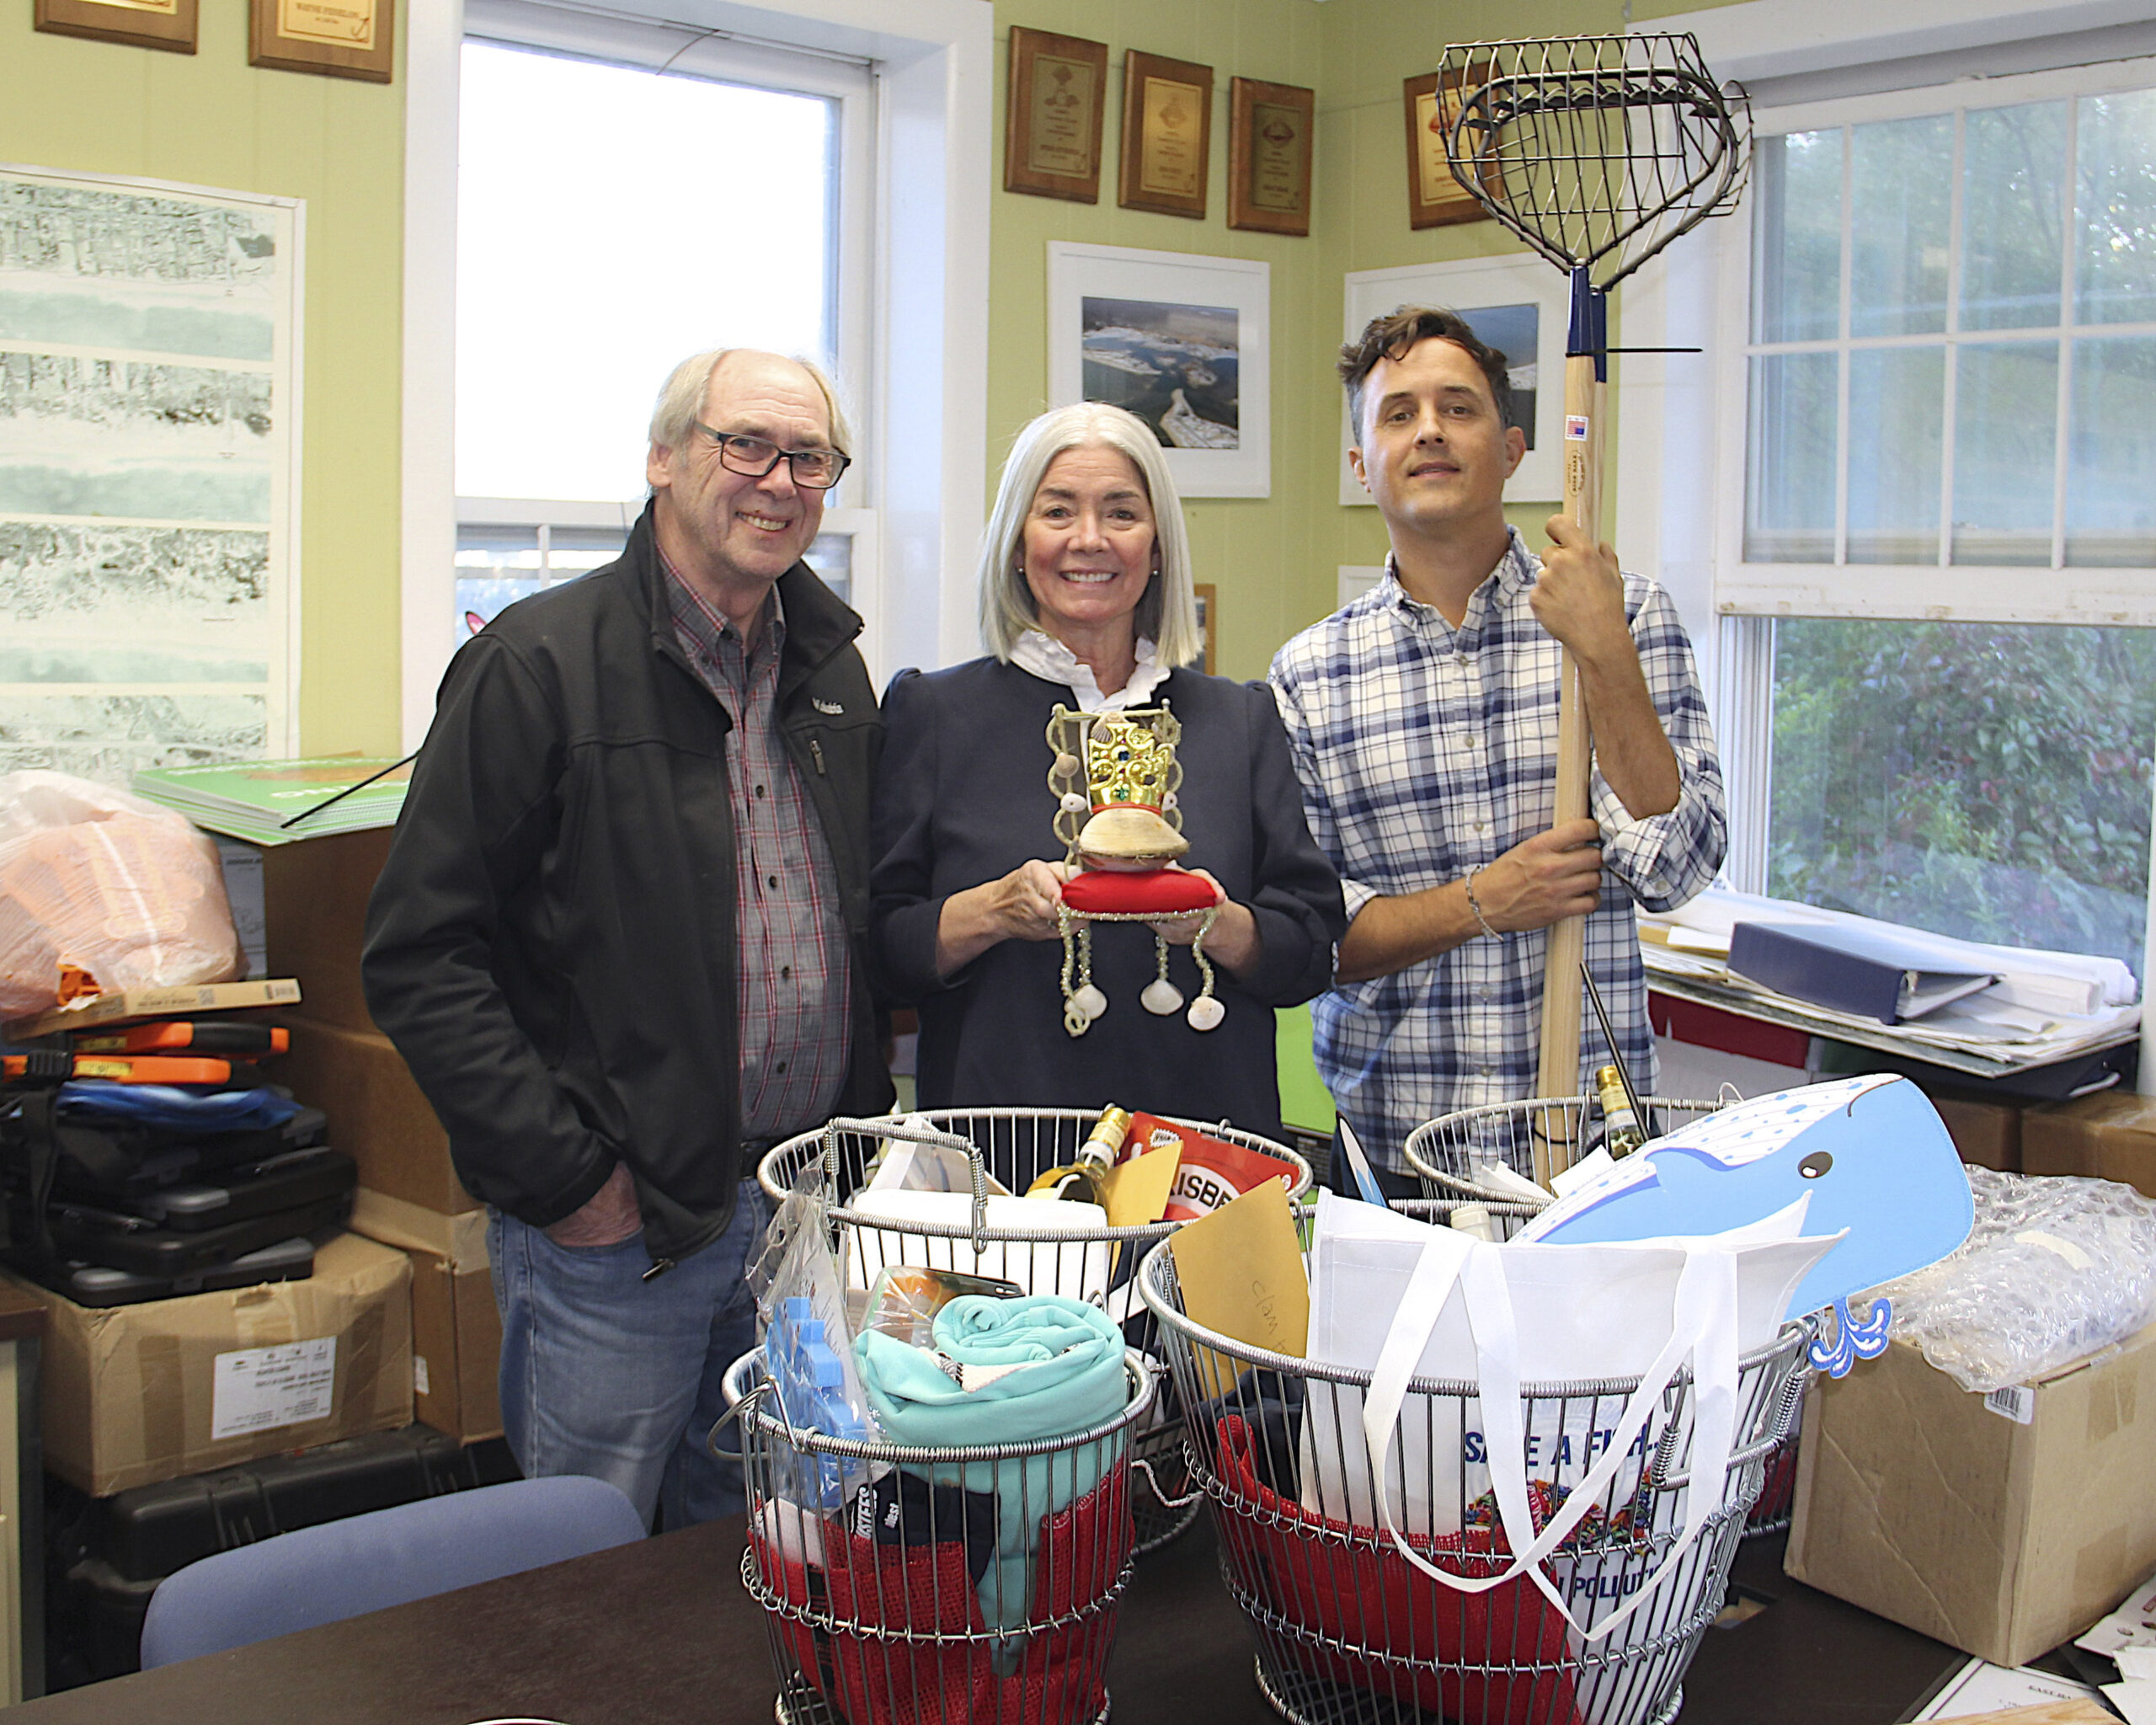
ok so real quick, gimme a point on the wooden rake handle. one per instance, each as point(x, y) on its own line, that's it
point(1558, 1072)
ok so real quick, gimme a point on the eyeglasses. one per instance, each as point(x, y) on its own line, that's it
point(814, 469)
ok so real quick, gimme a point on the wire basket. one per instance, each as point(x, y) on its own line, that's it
point(1446, 1151)
point(1349, 1633)
point(1016, 1146)
point(975, 1586)
point(1777, 1504)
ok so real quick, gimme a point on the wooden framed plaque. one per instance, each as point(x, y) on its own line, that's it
point(1167, 130)
point(1435, 199)
point(1052, 116)
point(336, 38)
point(140, 24)
point(1269, 128)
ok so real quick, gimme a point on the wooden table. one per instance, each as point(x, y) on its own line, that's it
point(661, 1631)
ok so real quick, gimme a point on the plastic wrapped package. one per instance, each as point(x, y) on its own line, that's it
point(2056, 1268)
point(95, 881)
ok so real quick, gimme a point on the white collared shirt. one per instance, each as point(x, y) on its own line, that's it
point(1048, 659)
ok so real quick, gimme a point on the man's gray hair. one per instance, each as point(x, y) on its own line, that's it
point(1168, 612)
point(674, 415)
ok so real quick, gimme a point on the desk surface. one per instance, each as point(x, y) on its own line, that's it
point(661, 1631)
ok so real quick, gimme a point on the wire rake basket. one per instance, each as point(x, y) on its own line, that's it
point(1528, 1137)
point(1349, 1633)
point(939, 1586)
point(1016, 1146)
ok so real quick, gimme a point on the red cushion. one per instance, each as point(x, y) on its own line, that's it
point(1157, 892)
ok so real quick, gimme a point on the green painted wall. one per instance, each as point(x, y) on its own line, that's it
point(209, 119)
point(1275, 560)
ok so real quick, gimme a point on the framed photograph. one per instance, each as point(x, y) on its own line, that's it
point(1183, 342)
point(1518, 305)
point(1052, 116)
point(1207, 629)
point(1269, 130)
point(336, 38)
point(140, 24)
point(1167, 130)
point(1435, 199)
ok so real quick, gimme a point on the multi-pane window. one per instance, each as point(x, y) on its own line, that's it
point(612, 220)
point(1953, 339)
point(1950, 367)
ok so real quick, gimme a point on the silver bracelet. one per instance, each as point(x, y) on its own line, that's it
point(1474, 904)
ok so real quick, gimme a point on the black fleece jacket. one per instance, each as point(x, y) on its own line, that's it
point(552, 944)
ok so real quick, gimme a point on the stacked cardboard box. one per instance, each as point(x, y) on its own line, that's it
point(135, 1394)
point(314, 915)
point(2112, 1135)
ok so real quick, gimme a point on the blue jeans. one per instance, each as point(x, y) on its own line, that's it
point(606, 1373)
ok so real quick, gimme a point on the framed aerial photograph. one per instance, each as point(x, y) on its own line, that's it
point(1435, 198)
point(1269, 132)
point(336, 38)
point(1052, 116)
point(1518, 305)
point(1183, 342)
point(1167, 130)
point(138, 24)
point(1208, 621)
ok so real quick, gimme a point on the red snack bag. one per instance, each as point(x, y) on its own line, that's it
point(1213, 1171)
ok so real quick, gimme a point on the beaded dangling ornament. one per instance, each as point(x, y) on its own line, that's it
point(1115, 779)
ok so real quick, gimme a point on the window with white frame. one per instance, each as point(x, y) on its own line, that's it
point(1943, 569)
point(629, 195)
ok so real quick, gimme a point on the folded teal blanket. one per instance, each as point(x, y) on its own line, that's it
point(1065, 1360)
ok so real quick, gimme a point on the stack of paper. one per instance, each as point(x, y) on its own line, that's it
point(254, 799)
point(2045, 1005)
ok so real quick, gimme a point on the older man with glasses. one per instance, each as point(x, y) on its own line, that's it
point(618, 937)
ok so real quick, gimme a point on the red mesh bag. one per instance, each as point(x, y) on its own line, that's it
point(1376, 1598)
point(926, 1590)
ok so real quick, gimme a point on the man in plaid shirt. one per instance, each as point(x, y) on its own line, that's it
point(1423, 721)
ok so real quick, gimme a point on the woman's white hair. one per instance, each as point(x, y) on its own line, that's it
point(673, 414)
point(1168, 611)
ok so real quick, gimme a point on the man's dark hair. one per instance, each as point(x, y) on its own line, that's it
point(1389, 338)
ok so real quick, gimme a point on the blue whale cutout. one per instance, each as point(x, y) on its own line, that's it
point(1867, 1155)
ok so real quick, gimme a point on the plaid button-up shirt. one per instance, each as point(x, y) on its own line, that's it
point(794, 985)
point(1426, 752)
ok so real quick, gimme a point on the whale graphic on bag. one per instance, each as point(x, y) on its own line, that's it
point(1867, 1158)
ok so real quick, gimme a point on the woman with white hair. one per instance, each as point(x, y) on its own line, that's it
point(1085, 601)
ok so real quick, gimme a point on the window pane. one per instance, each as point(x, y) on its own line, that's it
point(1980, 780)
point(1897, 401)
point(2110, 495)
point(831, 556)
point(1901, 185)
point(2005, 451)
point(495, 568)
point(2116, 275)
point(576, 551)
point(612, 221)
point(2013, 181)
point(1789, 515)
point(1796, 228)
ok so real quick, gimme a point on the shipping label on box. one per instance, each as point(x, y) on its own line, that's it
point(252, 1389)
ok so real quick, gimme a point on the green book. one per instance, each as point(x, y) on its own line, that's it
point(254, 800)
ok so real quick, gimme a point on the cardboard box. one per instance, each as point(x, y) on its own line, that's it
point(314, 910)
point(2112, 1135)
point(457, 1328)
point(1985, 1132)
point(376, 1114)
point(126, 1004)
point(135, 1394)
point(2003, 1533)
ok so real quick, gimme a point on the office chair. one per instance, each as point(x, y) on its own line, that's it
point(316, 1575)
